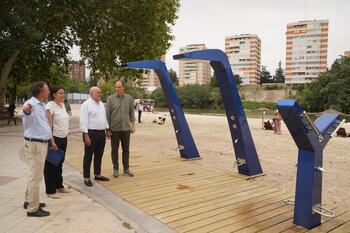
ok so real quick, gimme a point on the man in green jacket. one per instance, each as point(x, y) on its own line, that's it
point(121, 119)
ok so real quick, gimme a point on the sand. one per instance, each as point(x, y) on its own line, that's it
point(277, 153)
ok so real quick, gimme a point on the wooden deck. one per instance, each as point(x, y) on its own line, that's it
point(190, 197)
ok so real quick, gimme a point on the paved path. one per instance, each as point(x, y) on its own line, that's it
point(74, 212)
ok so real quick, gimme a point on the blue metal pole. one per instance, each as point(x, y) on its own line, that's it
point(186, 144)
point(310, 138)
point(245, 152)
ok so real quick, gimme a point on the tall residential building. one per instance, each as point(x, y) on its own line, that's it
point(347, 53)
point(244, 54)
point(194, 71)
point(306, 50)
point(76, 71)
point(150, 80)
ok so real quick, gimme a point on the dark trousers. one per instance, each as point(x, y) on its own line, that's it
point(139, 115)
point(53, 174)
point(124, 138)
point(98, 141)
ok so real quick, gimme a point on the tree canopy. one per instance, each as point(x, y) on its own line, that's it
point(279, 74)
point(265, 76)
point(330, 90)
point(36, 34)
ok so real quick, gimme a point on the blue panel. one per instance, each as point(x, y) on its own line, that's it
point(310, 159)
point(325, 121)
point(240, 133)
point(182, 131)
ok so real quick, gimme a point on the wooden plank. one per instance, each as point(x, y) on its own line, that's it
point(140, 194)
point(235, 214)
point(211, 199)
point(167, 181)
point(342, 228)
point(184, 193)
point(332, 223)
point(228, 226)
point(189, 193)
point(258, 227)
point(196, 195)
point(239, 208)
point(191, 196)
point(156, 182)
point(192, 210)
point(325, 222)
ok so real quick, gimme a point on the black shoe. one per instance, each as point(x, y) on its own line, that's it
point(39, 213)
point(25, 205)
point(101, 178)
point(88, 182)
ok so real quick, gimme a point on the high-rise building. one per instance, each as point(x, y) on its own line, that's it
point(194, 71)
point(347, 53)
point(244, 54)
point(306, 50)
point(150, 80)
point(76, 71)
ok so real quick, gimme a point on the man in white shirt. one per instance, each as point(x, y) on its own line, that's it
point(94, 126)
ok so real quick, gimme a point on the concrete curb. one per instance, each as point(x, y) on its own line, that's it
point(138, 220)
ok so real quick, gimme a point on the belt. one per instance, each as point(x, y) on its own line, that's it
point(97, 130)
point(35, 140)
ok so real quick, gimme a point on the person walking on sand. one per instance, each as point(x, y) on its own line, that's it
point(94, 126)
point(277, 123)
point(37, 133)
point(139, 108)
point(59, 121)
point(121, 119)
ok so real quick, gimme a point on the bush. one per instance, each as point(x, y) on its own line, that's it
point(273, 87)
point(203, 97)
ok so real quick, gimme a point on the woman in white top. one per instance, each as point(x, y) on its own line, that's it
point(59, 121)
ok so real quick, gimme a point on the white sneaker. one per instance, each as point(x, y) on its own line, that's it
point(54, 196)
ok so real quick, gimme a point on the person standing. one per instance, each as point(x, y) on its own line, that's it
point(37, 133)
point(59, 121)
point(68, 108)
point(139, 108)
point(121, 119)
point(94, 126)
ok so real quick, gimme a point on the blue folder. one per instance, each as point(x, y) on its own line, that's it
point(54, 157)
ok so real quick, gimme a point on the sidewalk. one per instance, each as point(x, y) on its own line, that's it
point(74, 212)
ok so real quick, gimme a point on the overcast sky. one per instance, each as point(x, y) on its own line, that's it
point(209, 21)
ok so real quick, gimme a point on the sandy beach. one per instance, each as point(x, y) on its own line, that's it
point(277, 153)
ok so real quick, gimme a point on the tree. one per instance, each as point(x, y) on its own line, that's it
point(238, 79)
point(173, 77)
point(279, 74)
point(214, 81)
point(330, 90)
point(108, 32)
point(265, 76)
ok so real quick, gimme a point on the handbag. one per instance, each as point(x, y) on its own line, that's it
point(54, 157)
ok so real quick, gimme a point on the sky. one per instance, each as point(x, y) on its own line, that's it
point(209, 21)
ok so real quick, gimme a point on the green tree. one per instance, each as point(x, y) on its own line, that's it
point(108, 32)
point(265, 76)
point(279, 74)
point(330, 90)
point(173, 77)
point(238, 79)
point(214, 81)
